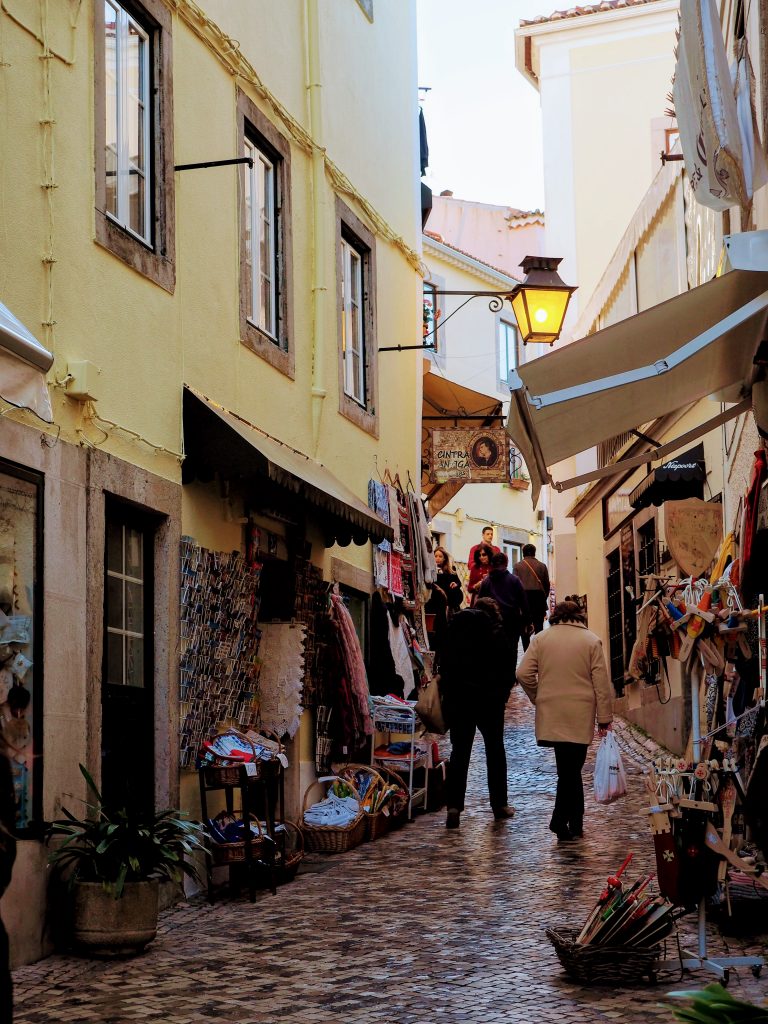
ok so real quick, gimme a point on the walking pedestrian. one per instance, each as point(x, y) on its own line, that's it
point(534, 576)
point(565, 676)
point(476, 683)
point(479, 569)
point(487, 538)
point(448, 581)
point(507, 591)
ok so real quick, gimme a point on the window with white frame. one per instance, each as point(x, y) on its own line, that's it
point(356, 305)
point(508, 340)
point(261, 240)
point(127, 143)
point(352, 322)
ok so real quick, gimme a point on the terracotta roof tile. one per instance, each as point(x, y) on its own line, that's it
point(498, 270)
point(577, 12)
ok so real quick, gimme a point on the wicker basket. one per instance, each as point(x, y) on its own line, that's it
point(398, 806)
point(606, 965)
point(234, 853)
point(228, 773)
point(333, 838)
point(290, 860)
point(377, 823)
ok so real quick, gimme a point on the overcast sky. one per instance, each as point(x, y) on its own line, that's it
point(483, 119)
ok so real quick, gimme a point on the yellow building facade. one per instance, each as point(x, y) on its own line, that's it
point(171, 296)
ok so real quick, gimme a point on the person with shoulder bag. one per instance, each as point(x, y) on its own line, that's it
point(534, 577)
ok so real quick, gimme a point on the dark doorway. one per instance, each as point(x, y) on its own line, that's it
point(127, 720)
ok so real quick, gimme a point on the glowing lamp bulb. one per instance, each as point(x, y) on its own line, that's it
point(540, 315)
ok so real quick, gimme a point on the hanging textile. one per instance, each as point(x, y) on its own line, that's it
point(407, 561)
point(281, 672)
point(394, 518)
point(354, 666)
point(749, 562)
point(399, 646)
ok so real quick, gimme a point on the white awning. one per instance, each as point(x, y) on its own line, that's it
point(701, 343)
point(23, 366)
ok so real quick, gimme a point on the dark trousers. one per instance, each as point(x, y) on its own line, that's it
point(569, 801)
point(537, 606)
point(489, 719)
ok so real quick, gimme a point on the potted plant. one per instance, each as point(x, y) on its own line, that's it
point(114, 862)
point(713, 1005)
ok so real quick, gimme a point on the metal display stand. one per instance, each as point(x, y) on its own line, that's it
point(401, 718)
point(700, 959)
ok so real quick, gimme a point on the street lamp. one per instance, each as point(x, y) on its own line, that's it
point(539, 304)
point(541, 301)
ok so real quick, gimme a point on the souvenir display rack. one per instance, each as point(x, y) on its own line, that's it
point(219, 642)
point(708, 614)
point(259, 785)
point(402, 719)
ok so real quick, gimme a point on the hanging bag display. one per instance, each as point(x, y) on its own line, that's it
point(429, 707)
point(610, 780)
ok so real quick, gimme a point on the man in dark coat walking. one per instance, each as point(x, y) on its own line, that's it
point(508, 593)
point(534, 576)
point(477, 675)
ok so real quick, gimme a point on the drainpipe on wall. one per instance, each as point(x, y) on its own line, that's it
point(314, 91)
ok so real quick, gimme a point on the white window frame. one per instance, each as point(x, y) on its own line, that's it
point(503, 335)
point(352, 341)
point(123, 23)
point(261, 219)
point(123, 632)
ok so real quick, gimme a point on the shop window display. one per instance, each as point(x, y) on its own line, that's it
point(20, 676)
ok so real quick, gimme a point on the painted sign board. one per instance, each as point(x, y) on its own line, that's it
point(478, 456)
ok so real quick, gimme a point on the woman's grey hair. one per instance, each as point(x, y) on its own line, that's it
point(565, 612)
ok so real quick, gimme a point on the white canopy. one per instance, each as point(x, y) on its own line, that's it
point(697, 344)
point(23, 366)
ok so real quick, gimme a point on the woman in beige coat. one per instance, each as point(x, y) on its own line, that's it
point(564, 674)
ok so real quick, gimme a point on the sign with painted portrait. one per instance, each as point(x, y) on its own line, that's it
point(478, 456)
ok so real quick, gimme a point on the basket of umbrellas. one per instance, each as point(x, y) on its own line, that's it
point(383, 797)
point(620, 941)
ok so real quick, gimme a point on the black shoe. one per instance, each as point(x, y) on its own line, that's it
point(502, 813)
point(577, 833)
point(452, 818)
point(564, 835)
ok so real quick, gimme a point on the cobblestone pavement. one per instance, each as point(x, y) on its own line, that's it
point(423, 926)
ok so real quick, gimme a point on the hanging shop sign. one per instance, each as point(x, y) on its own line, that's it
point(478, 456)
point(694, 532)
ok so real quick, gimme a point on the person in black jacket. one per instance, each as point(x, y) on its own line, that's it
point(477, 676)
point(448, 581)
point(508, 593)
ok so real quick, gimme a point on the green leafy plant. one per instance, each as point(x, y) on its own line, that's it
point(713, 1005)
point(115, 847)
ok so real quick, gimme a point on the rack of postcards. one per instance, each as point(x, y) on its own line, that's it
point(219, 642)
point(394, 717)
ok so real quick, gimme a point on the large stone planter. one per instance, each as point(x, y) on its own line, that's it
point(105, 926)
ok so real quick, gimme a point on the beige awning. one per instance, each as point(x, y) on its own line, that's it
point(24, 363)
point(216, 440)
point(446, 404)
point(698, 344)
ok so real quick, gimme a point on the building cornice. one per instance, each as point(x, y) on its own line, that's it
point(497, 279)
point(584, 24)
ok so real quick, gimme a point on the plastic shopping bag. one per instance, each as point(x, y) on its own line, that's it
point(610, 780)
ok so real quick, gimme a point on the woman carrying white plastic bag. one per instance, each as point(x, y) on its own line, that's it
point(610, 782)
point(565, 676)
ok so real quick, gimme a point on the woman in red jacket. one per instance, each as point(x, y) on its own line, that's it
point(479, 570)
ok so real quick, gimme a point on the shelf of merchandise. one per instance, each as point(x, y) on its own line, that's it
point(401, 720)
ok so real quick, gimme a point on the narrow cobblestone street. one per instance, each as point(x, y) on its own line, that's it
point(422, 926)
